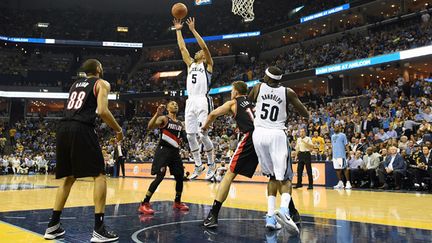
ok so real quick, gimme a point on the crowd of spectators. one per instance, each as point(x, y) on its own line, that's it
point(400, 35)
point(377, 118)
point(383, 115)
point(149, 27)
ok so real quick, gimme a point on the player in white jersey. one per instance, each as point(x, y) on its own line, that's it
point(198, 104)
point(272, 145)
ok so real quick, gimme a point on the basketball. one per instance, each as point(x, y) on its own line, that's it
point(179, 10)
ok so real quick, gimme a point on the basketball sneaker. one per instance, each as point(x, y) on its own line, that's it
point(211, 171)
point(348, 185)
point(340, 185)
point(211, 221)
point(272, 223)
point(54, 232)
point(103, 235)
point(146, 208)
point(295, 215)
point(272, 236)
point(197, 172)
point(180, 206)
point(282, 216)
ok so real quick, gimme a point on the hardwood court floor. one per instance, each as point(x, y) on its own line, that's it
point(24, 193)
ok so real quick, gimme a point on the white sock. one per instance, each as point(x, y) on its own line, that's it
point(197, 158)
point(210, 157)
point(271, 205)
point(341, 183)
point(285, 200)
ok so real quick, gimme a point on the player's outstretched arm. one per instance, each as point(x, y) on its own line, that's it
point(103, 88)
point(201, 43)
point(254, 93)
point(298, 105)
point(178, 25)
point(220, 111)
point(158, 120)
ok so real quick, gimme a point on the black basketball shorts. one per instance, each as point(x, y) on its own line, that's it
point(78, 151)
point(245, 160)
point(167, 156)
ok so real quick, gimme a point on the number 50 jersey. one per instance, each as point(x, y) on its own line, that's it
point(270, 109)
point(82, 102)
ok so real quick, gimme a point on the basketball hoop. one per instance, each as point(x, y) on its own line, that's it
point(244, 8)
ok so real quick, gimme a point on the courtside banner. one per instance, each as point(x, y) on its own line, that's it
point(43, 95)
point(202, 2)
point(144, 170)
point(325, 13)
point(358, 63)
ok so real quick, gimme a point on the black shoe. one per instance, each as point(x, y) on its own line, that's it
point(211, 221)
point(295, 216)
point(384, 187)
point(103, 235)
point(310, 187)
point(298, 186)
point(54, 232)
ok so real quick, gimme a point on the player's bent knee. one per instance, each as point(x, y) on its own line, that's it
point(193, 141)
point(208, 145)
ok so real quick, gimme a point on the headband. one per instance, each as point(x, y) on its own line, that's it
point(275, 77)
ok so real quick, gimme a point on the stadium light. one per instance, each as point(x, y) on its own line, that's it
point(169, 74)
point(42, 25)
point(122, 29)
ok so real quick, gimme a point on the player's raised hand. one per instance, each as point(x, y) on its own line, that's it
point(119, 136)
point(178, 25)
point(191, 23)
point(160, 110)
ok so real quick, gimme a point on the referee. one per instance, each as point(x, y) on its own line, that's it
point(303, 147)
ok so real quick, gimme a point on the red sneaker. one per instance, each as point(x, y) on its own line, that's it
point(146, 208)
point(180, 206)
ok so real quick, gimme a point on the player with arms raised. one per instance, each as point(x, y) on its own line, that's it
point(198, 104)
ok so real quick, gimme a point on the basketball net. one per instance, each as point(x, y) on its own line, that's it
point(243, 8)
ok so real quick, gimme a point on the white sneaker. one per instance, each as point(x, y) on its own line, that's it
point(340, 185)
point(211, 171)
point(197, 172)
point(348, 186)
point(282, 217)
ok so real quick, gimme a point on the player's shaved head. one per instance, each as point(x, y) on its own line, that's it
point(92, 66)
point(241, 87)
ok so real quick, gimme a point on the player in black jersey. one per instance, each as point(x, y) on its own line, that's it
point(244, 160)
point(167, 155)
point(78, 151)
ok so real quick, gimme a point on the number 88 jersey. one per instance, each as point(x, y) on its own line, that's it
point(270, 109)
point(82, 103)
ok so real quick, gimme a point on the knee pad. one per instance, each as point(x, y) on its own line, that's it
point(208, 145)
point(193, 141)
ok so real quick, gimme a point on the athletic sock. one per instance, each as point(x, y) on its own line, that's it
point(216, 207)
point(178, 197)
point(148, 197)
point(99, 219)
point(271, 203)
point(285, 199)
point(55, 218)
point(210, 160)
point(197, 158)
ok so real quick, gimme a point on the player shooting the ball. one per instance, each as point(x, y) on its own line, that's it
point(198, 104)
